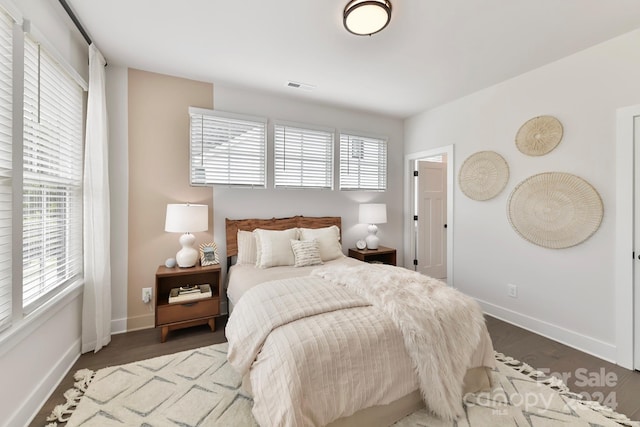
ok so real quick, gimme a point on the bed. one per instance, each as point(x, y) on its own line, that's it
point(316, 346)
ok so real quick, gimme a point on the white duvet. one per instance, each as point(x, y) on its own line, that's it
point(243, 277)
point(315, 351)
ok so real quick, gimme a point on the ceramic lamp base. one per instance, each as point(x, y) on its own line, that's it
point(188, 255)
point(372, 240)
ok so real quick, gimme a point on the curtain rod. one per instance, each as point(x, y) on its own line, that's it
point(77, 23)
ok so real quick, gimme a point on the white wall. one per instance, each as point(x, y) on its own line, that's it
point(566, 294)
point(117, 103)
point(34, 366)
point(37, 351)
point(268, 203)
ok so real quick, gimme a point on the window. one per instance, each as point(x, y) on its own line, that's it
point(6, 112)
point(363, 163)
point(52, 175)
point(227, 148)
point(303, 158)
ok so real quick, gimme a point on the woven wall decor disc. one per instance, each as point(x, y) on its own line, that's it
point(483, 175)
point(555, 210)
point(539, 135)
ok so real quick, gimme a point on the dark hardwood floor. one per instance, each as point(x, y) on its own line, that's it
point(587, 374)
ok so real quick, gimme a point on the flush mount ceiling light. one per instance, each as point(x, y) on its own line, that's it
point(366, 17)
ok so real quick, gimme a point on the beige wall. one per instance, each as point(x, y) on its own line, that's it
point(158, 174)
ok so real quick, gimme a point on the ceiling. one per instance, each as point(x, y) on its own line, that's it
point(432, 52)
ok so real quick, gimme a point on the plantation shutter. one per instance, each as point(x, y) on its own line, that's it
point(52, 176)
point(363, 163)
point(6, 112)
point(226, 148)
point(303, 158)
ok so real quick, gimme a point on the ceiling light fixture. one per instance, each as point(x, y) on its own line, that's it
point(366, 17)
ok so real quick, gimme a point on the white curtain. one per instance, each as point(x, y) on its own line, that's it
point(96, 309)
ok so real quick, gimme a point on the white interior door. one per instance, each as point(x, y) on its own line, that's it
point(432, 217)
point(636, 264)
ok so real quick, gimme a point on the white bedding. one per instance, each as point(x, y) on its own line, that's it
point(243, 277)
point(315, 352)
point(321, 367)
point(440, 326)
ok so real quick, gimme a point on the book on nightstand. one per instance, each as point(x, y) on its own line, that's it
point(189, 293)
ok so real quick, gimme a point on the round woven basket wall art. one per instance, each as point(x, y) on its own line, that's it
point(483, 175)
point(555, 210)
point(539, 135)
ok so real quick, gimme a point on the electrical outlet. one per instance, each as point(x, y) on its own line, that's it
point(512, 290)
point(146, 295)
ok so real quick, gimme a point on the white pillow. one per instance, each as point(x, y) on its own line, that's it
point(328, 239)
point(247, 251)
point(306, 252)
point(274, 247)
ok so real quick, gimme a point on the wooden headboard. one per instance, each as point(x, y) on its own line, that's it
point(233, 225)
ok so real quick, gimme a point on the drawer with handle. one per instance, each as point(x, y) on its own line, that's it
point(172, 313)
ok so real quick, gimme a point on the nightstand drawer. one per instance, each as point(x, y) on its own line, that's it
point(171, 313)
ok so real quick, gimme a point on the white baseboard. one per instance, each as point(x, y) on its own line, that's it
point(41, 393)
point(118, 326)
point(589, 345)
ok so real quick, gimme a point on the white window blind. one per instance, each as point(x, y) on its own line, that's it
point(227, 149)
point(303, 158)
point(6, 118)
point(363, 163)
point(52, 181)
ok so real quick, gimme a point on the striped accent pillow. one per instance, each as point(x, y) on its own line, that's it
point(306, 252)
point(247, 251)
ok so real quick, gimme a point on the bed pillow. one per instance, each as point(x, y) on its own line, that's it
point(306, 252)
point(328, 240)
point(247, 251)
point(274, 247)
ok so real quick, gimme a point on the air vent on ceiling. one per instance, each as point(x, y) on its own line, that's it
point(298, 85)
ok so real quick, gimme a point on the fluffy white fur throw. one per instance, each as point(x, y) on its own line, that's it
point(441, 327)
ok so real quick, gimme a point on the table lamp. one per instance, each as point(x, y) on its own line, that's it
point(372, 214)
point(184, 218)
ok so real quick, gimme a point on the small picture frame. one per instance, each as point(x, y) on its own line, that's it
point(208, 254)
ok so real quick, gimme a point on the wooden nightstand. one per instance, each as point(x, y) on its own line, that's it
point(198, 312)
point(382, 254)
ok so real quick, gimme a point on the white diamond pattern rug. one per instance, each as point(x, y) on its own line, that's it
point(190, 388)
point(199, 388)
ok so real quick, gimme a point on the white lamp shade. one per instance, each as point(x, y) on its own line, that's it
point(373, 213)
point(185, 218)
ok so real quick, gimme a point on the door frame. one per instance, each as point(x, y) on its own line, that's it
point(409, 201)
point(624, 236)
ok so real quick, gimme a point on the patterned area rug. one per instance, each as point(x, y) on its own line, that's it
point(198, 388)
